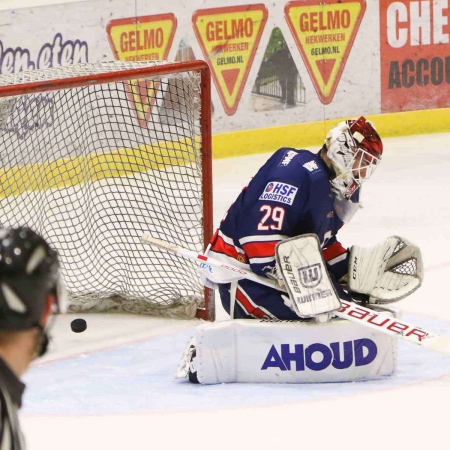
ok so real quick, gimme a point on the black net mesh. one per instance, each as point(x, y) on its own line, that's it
point(92, 168)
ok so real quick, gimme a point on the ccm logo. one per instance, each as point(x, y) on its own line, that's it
point(359, 352)
point(355, 268)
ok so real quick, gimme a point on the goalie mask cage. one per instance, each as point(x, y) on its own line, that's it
point(93, 156)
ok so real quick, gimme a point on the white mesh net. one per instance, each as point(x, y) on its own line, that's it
point(93, 167)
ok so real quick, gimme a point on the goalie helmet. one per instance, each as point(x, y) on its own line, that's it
point(354, 148)
point(29, 271)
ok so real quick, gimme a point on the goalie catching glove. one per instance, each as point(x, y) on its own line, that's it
point(387, 272)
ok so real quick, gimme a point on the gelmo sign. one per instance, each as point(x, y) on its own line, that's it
point(415, 56)
point(324, 32)
point(142, 39)
point(229, 38)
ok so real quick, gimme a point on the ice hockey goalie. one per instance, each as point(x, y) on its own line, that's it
point(310, 350)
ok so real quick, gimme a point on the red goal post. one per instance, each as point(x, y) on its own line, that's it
point(92, 156)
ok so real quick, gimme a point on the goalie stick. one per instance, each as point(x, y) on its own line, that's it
point(349, 311)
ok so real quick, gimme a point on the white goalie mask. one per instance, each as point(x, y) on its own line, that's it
point(354, 148)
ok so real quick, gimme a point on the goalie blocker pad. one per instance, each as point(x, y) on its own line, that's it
point(250, 351)
point(300, 263)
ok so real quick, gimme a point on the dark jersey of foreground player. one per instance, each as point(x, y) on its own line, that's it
point(289, 196)
point(11, 392)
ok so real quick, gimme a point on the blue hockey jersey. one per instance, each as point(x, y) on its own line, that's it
point(290, 195)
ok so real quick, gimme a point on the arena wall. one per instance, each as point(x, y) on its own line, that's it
point(283, 72)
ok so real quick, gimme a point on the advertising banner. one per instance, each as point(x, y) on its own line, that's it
point(324, 32)
point(415, 55)
point(229, 38)
point(272, 63)
point(138, 39)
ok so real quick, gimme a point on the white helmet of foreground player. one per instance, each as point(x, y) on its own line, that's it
point(354, 148)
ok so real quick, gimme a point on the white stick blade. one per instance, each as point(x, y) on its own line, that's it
point(439, 344)
point(148, 240)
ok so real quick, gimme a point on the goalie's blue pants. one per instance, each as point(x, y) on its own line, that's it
point(256, 301)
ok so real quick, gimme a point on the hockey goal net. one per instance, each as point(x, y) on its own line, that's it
point(94, 155)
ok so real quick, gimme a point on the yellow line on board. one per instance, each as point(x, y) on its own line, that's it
point(311, 135)
point(67, 172)
point(72, 171)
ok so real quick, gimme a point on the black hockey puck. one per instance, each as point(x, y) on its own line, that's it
point(78, 325)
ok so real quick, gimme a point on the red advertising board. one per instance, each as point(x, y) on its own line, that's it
point(415, 55)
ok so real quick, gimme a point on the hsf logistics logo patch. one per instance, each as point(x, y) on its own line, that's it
point(142, 39)
point(324, 31)
point(279, 192)
point(229, 38)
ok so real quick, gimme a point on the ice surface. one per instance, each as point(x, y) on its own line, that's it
point(113, 386)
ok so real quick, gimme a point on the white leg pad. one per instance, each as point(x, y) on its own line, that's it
point(292, 352)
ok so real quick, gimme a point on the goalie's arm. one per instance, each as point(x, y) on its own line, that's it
point(336, 257)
